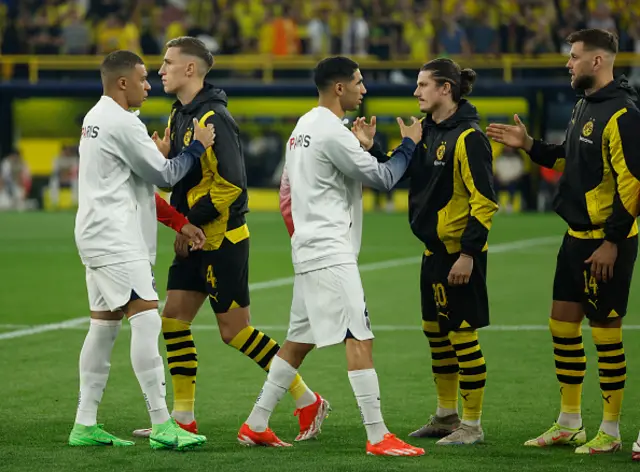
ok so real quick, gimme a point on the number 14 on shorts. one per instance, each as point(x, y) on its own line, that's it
point(591, 288)
point(590, 284)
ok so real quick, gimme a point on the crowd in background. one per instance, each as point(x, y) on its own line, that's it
point(388, 29)
point(16, 180)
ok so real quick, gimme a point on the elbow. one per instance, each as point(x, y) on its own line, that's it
point(390, 177)
point(494, 209)
point(161, 180)
point(166, 180)
point(382, 185)
point(484, 213)
point(388, 186)
point(230, 194)
point(171, 181)
point(234, 194)
point(490, 211)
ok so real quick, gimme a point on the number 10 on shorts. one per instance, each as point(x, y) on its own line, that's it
point(439, 295)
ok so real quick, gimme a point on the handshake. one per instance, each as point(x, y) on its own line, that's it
point(206, 135)
point(366, 131)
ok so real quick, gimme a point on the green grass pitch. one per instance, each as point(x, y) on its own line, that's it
point(42, 282)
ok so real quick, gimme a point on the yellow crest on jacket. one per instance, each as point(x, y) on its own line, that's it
point(440, 151)
point(587, 129)
point(187, 136)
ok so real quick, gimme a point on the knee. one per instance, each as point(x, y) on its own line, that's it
point(608, 323)
point(295, 350)
point(229, 331)
point(294, 353)
point(171, 310)
point(467, 338)
point(228, 334)
point(232, 323)
point(568, 312)
point(169, 314)
point(359, 354)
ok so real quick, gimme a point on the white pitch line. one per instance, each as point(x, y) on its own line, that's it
point(373, 266)
point(377, 328)
point(285, 281)
point(44, 328)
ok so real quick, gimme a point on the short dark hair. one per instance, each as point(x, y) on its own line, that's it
point(595, 39)
point(193, 47)
point(334, 69)
point(119, 63)
point(445, 70)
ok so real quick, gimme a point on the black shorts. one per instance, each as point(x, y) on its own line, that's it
point(455, 308)
point(223, 274)
point(573, 281)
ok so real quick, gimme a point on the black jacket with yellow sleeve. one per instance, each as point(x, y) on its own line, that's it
point(451, 195)
point(599, 192)
point(213, 195)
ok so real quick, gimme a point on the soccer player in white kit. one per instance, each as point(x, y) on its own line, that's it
point(326, 167)
point(115, 233)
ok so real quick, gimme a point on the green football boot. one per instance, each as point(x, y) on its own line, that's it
point(82, 435)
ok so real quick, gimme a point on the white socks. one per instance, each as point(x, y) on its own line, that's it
point(367, 391)
point(442, 412)
point(184, 417)
point(95, 361)
point(612, 428)
point(307, 398)
point(570, 420)
point(280, 376)
point(147, 363)
point(471, 422)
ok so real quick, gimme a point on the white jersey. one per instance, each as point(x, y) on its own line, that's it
point(325, 168)
point(119, 166)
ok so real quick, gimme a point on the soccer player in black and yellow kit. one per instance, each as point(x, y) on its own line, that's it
point(213, 196)
point(598, 198)
point(451, 205)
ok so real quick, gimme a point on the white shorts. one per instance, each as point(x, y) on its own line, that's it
point(328, 305)
point(111, 287)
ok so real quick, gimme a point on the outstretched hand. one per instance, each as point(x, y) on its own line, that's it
point(514, 136)
point(413, 131)
point(164, 144)
point(365, 132)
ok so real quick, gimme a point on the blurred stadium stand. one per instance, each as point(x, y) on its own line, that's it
point(265, 51)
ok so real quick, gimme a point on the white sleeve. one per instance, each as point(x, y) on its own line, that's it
point(344, 151)
point(140, 153)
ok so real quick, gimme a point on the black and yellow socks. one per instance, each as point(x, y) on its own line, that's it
point(473, 374)
point(571, 364)
point(612, 367)
point(444, 365)
point(183, 366)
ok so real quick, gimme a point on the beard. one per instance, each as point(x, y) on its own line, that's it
point(350, 105)
point(584, 82)
point(426, 108)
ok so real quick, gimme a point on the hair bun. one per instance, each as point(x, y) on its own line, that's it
point(467, 79)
